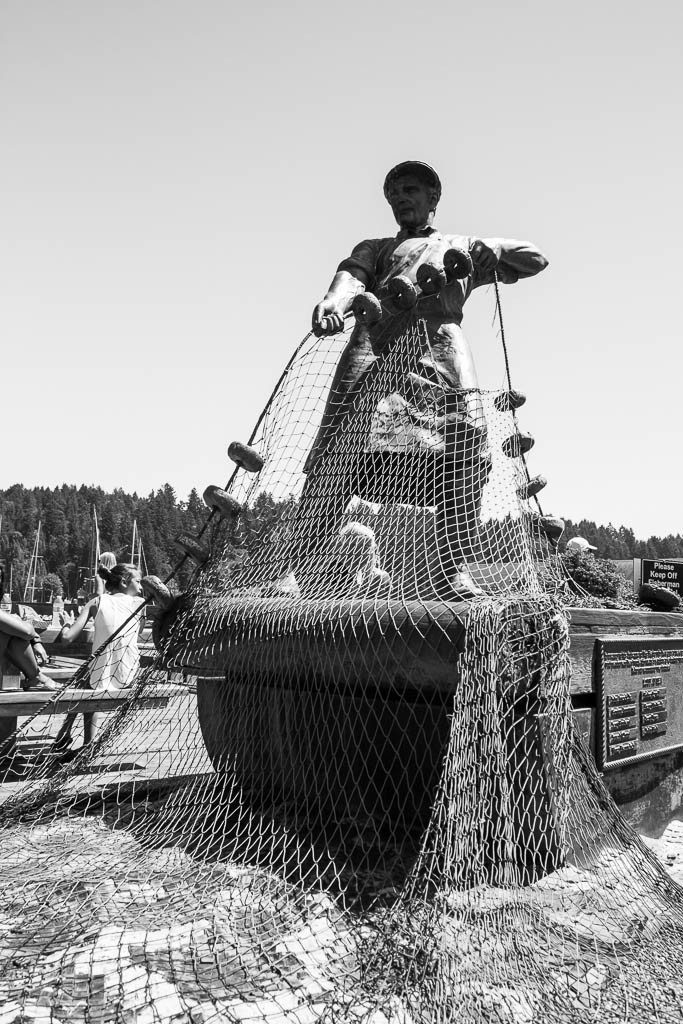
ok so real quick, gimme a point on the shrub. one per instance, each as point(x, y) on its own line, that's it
point(596, 578)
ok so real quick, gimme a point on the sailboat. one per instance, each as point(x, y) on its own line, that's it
point(36, 570)
point(137, 552)
point(6, 594)
point(95, 547)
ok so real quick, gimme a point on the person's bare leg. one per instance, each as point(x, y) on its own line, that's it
point(63, 737)
point(91, 726)
point(21, 654)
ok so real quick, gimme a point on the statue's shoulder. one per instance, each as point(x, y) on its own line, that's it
point(376, 244)
point(367, 256)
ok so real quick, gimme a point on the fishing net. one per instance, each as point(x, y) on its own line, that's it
point(347, 788)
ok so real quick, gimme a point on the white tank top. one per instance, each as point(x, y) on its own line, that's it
point(116, 666)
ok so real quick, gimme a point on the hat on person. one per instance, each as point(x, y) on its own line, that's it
point(422, 171)
point(579, 544)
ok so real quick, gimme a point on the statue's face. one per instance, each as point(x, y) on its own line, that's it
point(411, 201)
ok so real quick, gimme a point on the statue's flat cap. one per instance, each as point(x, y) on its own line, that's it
point(421, 170)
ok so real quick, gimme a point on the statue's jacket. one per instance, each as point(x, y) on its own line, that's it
point(404, 422)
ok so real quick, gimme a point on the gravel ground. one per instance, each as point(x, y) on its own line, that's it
point(108, 914)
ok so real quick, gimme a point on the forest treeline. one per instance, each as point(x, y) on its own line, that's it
point(66, 517)
point(67, 530)
point(621, 542)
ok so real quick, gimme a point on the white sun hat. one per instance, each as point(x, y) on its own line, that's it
point(579, 544)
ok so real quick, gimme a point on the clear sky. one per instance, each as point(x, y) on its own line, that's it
point(179, 179)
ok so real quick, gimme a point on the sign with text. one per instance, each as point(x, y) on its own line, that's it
point(661, 572)
point(639, 698)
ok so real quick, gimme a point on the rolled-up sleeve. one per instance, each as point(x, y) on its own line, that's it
point(363, 257)
point(515, 260)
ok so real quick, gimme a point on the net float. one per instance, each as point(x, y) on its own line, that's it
point(509, 400)
point(430, 278)
point(245, 457)
point(402, 291)
point(457, 264)
point(553, 528)
point(658, 596)
point(193, 548)
point(518, 444)
point(532, 487)
point(367, 309)
point(156, 591)
point(218, 499)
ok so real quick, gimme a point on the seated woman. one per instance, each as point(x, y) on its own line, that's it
point(116, 665)
point(20, 644)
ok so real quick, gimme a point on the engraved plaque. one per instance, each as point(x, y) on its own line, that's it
point(618, 714)
point(619, 735)
point(648, 731)
point(639, 698)
point(623, 749)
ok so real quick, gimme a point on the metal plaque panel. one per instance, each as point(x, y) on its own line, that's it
point(639, 698)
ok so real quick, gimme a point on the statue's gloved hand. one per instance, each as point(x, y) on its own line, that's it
point(328, 315)
point(327, 318)
point(484, 258)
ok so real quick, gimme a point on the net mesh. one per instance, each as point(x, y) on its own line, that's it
point(348, 787)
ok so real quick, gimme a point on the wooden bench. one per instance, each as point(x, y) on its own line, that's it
point(16, 703)
point(60, 669)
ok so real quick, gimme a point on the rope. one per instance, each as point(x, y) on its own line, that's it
point(499, 313)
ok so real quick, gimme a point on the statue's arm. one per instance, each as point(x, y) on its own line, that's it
point(354, 275)
point(515, 260)
point(328, 315)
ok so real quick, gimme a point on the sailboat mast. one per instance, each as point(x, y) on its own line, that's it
point(98, 552)
point(35, 563)
point(33, 567)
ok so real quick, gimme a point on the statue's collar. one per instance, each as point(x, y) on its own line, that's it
point(415, 233)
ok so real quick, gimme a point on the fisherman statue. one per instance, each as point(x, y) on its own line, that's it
point(435, 417)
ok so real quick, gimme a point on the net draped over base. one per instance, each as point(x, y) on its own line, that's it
point(349, 788)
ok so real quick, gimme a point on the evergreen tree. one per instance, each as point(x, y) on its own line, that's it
point(66, 517)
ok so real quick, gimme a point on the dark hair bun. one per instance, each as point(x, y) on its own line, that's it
point(104, 573)
point(120, 576)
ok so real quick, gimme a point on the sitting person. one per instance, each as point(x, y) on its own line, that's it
point(116, 665)
point(20, 644)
